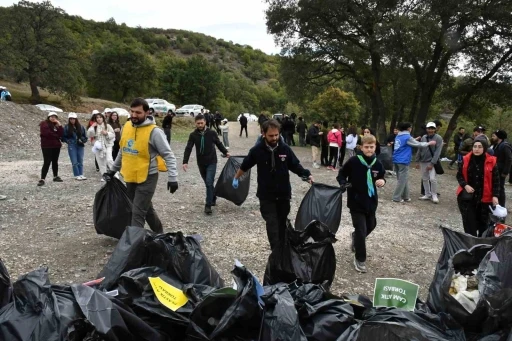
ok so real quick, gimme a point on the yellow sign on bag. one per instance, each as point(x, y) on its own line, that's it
point(171, 297)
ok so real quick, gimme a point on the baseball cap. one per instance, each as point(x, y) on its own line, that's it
point(479, 128)
point(431, 125)
point(51, 113)
point(107, 110)
point(94, 112)
point(72, 115)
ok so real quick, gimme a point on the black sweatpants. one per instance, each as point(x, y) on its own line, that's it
point(475, 216)
point(363, 224)
point(333, 156)
point(50, 156)
point(324, 155)
point(275, 213)
point(242, 129)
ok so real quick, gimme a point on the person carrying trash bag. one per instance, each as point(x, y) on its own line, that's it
point(365, 174)
point(144, 152)
point(224, 188)
point(274, 161)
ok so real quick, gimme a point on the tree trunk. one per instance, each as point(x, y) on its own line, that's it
point(35, 97)
point(414, 106)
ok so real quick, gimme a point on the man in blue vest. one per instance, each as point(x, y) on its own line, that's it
point(402, 156)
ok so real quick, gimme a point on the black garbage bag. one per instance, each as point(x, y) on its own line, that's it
point(216, 319)
point(398, 325)
point(224, 187)
point(495, 284)
point(306, 255)
point(386, 157)
point(5, 286)
point(42, 312)
point(180, 256)
point(136, 291)
point(112, 209)
point(322, 316)
point(453, 242)
point(280, 320)
point(322, 203)
point(111, 318)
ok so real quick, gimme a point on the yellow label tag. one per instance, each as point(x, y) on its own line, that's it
point(171, 297)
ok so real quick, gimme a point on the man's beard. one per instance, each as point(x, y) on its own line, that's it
point(136, 121)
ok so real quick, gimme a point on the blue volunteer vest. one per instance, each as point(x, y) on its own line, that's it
point(402, 153)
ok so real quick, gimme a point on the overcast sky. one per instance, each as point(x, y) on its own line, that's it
point(242, 21)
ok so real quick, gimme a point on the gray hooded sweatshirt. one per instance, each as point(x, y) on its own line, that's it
point(158, 145)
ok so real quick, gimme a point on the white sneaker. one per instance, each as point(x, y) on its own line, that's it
point(435, 200)
point(425, 197)
point(78, 178)
point(315, 165)
point(102, 180)
point(83, 177)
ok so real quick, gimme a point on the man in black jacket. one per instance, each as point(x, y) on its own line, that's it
point(167, 125)
point(503, 153)
point(205, 141)
point(274, 160)
point(243, 125)
point(365, 173)
point(314, 135)
point(457, 140)
point(301, 129)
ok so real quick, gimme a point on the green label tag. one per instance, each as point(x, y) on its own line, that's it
point(393, 292)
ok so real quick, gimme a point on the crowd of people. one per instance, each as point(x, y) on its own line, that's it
point(139, 151)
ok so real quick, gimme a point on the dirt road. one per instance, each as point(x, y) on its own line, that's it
point(52, 225)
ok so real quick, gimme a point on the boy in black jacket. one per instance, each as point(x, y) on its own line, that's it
point(365, 173)
point(274, 161)
point(205, 141)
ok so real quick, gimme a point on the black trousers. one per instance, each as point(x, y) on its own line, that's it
point(115, 150)
point(324, 155)
point(167, 132)
point(275, 213)
point(242, 129)
point(50, 156)
point(502, 197)
point(333, 156)
point(363, 224)
point(475, 216)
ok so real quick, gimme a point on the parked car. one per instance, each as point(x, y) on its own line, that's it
point(47, 107)
point(160, 106)
point(250, 117)
point(121, 112)
point(189, 110)
point(278, 116)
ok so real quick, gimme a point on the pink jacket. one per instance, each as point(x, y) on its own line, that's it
point(334, 136)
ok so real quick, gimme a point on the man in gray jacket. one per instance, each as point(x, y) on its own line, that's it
point(144, 152)
point(427, 158)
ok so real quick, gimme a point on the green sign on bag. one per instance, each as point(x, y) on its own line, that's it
point(393, 292)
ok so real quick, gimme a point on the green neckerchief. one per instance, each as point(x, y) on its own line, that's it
point(369, 182)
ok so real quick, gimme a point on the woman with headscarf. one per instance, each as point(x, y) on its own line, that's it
point(103, 136)
point(479, 187)
point(76, 138)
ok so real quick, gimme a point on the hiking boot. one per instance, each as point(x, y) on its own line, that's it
point(41, 182)
point(57, 179)
point(352, 245)
point(425, 197)
point(360, 266)
point(208, 209)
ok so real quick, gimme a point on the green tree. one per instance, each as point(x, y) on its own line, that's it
point(336, 105)
point(122, 71)
point(36, 43)
point(200, 82)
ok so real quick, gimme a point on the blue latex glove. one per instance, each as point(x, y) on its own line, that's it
point(235, 183)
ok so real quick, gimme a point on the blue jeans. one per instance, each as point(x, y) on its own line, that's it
point(208, 175)
point(76, 154)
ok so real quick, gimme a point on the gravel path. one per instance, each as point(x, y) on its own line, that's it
point(52, 225)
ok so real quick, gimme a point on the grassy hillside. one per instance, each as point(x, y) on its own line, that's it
point(116, 62)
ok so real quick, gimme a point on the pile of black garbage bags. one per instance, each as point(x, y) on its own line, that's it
point(293, 304)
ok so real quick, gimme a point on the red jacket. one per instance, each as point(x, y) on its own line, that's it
point(489, 163)
point(50, 135)
point(335, 137)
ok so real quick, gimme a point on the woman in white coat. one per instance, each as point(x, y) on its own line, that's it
point(103, 140)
